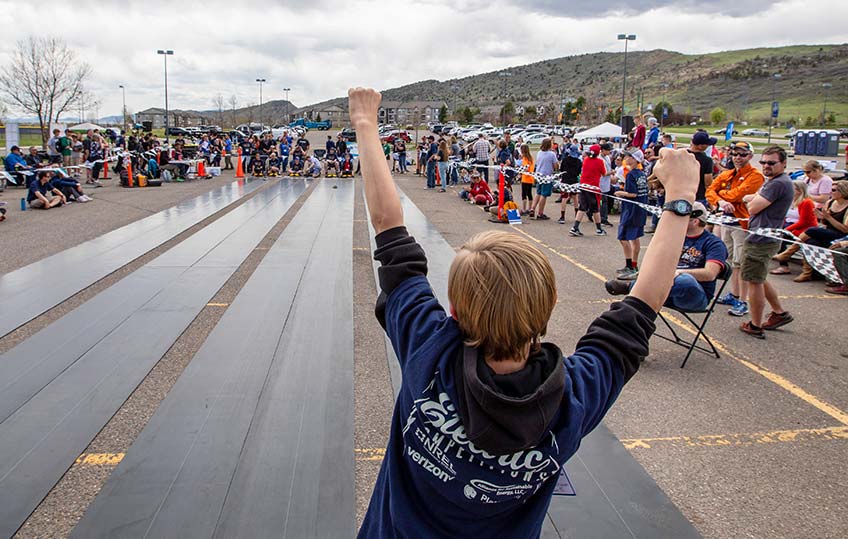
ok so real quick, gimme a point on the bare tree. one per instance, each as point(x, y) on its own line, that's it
point(218, 101)
point(233, 101)
point(43, 77)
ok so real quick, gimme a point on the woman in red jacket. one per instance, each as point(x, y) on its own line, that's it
point(799, 218)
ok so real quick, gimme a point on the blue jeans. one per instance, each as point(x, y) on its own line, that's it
point(431, 174)
point(443, 173)
point(686, 294)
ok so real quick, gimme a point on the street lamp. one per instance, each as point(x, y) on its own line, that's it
point(772, 116)
point(124, 99)
point(165, 54)
point(261, 119)
point(626, 38)
point(662, 107)
point(287, 90)
point(825, 86)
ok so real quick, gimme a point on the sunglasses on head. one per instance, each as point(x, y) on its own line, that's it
point(769, 163)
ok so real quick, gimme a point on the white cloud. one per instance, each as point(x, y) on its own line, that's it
point(321, 48)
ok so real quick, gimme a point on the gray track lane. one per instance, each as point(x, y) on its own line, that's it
point(615, 496)
point(81, 266)
point(256, 437)
point(41, 439)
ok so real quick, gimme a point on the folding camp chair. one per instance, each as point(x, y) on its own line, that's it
point(723, 276)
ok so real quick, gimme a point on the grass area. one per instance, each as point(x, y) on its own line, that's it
point(25, 142)
point(732, 57)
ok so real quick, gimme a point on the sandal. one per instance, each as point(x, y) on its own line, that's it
point(780, 270)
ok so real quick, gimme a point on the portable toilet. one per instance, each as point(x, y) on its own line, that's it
point(800, 142)
point(812, 142)
point(821, 143)
point(832, 143)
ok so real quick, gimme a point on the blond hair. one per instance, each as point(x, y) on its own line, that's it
point(503, 291)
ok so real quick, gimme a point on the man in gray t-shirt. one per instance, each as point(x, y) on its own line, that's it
point(767, 209)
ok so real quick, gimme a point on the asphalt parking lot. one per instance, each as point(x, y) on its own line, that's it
point(749, 445)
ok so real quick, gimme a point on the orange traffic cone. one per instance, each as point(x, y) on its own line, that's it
point(438, 177)
point(105, 175)
point(158, 156)
point(129, 172)
point(201, 169)
point(239, 169)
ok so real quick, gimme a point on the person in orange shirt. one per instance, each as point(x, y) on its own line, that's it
point(526, 179)
point(725, 193)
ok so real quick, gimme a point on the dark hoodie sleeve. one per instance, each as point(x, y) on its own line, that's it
point(607, 356)
point(400, 258)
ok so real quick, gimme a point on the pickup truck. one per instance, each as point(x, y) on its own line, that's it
point(309, 124)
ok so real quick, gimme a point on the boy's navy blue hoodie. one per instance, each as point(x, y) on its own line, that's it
point(472, 453)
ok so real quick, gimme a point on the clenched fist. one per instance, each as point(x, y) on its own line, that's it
point(679, 172)
point(363, 104)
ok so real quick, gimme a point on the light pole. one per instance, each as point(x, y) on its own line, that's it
point(662, 107)
point(165, 54)
point(825, 87)
point(772, 116)
point(626, 38)
point(124, 99)
point(261, 119)
point(287, 90)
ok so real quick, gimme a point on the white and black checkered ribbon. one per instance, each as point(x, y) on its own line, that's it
point(820, 258)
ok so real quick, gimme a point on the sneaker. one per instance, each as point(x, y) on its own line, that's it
point(840, 290)
point(740, 308)
point(749, 328)
point(542, 217)
point(630, 275)
point(625, 269)
point(606, 223)
point(442, 190)
point(561, 220)
point(777, 320)
point(617, 287)
point(575, 232)
point(532, 213)
point(727, 299)
point(600, 232)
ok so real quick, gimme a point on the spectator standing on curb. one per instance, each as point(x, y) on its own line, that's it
point(767, 209)
point(431, 157)
point(726, 194)
point(546, 164)
point(606, 183)
point(653, 134)
point(700, 142)
point(65, 148)
point(632, 224)
point(54, 154)
point(588, 199)
point(481, 155)
point(638, 133)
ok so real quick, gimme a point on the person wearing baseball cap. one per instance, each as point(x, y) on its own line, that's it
point(588, 199)
point(725, 194)
point(702, 260)
point(700, 142)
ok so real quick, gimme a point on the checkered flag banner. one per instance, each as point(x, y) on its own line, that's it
point(819, 258)
point(722, 219)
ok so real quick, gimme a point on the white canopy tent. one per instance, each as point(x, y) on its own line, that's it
point(605, 130)
point(85, 127)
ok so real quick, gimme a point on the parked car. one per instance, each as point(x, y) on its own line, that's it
point(348, 133)
point(753, 132)
point(535, 138)
point(723, 130)
point(397, 133)
point(437, 128)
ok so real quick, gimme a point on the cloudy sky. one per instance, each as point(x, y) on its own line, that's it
point(320, 48)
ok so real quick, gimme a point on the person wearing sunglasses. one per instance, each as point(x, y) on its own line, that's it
point(767, 209)
point(701, 260)
point(725, 194)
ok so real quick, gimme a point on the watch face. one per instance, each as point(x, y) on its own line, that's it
point(681, 207)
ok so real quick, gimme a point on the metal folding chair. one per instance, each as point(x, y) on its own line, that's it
point(692, 345)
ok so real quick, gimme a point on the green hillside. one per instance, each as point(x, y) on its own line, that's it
point(739, 81)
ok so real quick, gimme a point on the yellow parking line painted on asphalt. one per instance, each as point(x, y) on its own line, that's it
point(217, 304)
point(813, 296)
point(782, 382)
point(730, 440)
point(100, 459)
point(371, 453)
point(361, 248)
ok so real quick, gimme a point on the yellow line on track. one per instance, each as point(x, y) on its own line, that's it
point(775, 378)
point(217, 304)
point(100, 459)
point(744, 439)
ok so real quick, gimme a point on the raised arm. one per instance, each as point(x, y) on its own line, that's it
point(380, 192)
point(678, 170)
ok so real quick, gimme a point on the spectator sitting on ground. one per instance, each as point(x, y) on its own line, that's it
point(703, 258)
point(479, 388)
point(37, 197)
point(17, 166)
point(257, 165)
point(275, 164)
point(70, 187)
point(331, 162)
point(312, 167)
point(478, 192)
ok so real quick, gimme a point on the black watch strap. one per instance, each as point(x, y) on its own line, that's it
point(678, 207)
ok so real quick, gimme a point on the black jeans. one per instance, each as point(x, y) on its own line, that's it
point(483, 170)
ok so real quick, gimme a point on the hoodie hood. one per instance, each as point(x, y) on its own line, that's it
point(506, 413)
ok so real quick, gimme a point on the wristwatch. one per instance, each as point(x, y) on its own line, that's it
point(679, 207)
